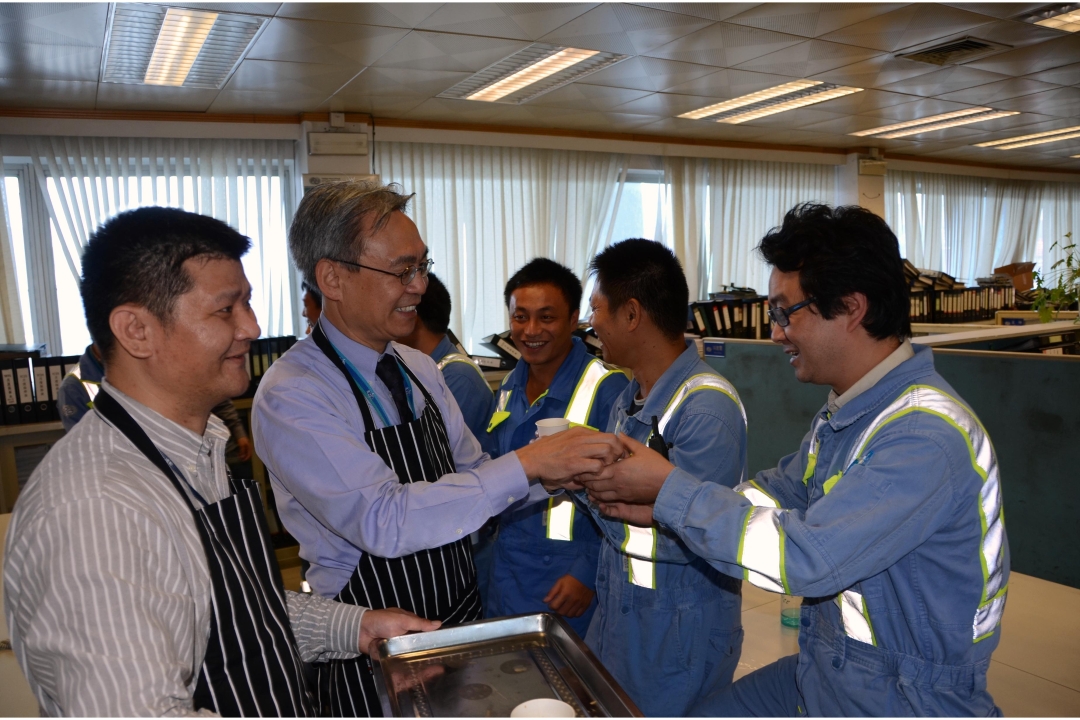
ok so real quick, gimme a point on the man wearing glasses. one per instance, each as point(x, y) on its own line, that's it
point(888, 519)
point(373, 468)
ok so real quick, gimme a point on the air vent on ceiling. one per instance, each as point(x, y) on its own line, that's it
point(955, 52)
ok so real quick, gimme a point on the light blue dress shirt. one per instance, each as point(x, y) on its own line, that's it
point(336, 495)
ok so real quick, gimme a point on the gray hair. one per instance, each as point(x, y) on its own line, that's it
point(330, 221)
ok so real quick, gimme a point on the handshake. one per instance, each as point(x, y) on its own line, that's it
point(619, 474)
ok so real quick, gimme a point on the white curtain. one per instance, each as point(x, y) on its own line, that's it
point(722, 208)
point(11, 323)
point(249, 184)
point(486, 211)
point(1061, 216)
point(965, 226)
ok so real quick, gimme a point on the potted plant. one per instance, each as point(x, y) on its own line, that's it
point(1059, 289)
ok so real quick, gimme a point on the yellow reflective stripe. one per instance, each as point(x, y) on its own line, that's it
point(756, 494)
point(828, 486)
point(811, 465)
point(856, 618)
point(640, 549)
point(581, 402)
point(501, 413)
point(760, 551)
point(934, 401)
point(459, 358)
point(560, 518)
point(704, 381)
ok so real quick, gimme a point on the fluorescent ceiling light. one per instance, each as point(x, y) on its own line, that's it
point(785, 105)
point(533, 74)
point(949, 123)
point(754, 97)
point(1033, 139)
point(179, 42)
point(920, 121)
point(1058, 17)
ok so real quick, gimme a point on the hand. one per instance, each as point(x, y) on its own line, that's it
point(379, 625)
point(568, 597)
point(243, 449)
point(641, 515)
point(637, 479)
point(556, 459)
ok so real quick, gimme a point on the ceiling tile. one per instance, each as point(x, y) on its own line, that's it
point(1064, 75)
point(724, 45)
point(47, 93)
point(1012, 33)
point(798, 118)
point(909, 26)
point(117, 96)
point(279, 102)
point(1061, 102)
point(876, 72)
point(521, 21)
point(244, 8)
point(1034, 58)
point(805, 138)
point(53, 62)
point(626, 29)
point(313, 41)
point(421, 50)
point(587, 97)
point(400, 15)
point(944, 80)
point(645, 73)
point(998, 9)
point(915, 109)
point(1033, 124)
point(284, 77)
point(724, 84)
point(866, 101)
point(682, 127)
point(380, 105)
point(405, 82)
point(811, 19)
point(666, 104)
point(707, 11)
point(459, 111)
point(808, 58)
point(997, 91)
point(578, 120)
point(63, 24)
point(846, 124)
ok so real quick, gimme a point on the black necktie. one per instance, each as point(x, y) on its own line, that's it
point(388, 371)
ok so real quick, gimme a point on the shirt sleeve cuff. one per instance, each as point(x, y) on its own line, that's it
point(673, 501)
point(343, 628)
point(504, 482)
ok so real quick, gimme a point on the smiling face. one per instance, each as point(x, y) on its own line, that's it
point(609, 327)
point(813, 344)
point(212, 325)
point(376, 307)
point(541, 324)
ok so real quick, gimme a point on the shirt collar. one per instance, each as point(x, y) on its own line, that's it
point(363, 358)
point(444, 348)
point(870, 379)
point(180, 444)
point(566, 377)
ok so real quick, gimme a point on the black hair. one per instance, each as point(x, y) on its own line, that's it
point(646, 271)
point(434, 307)
point(313, 292)
point(840, 251)
point(542, 271)
point(137, 257)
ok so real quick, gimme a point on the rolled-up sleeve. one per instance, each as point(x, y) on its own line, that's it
point(324, 629)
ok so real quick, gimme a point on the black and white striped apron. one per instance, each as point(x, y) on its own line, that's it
point(437, 584)
point(252, 667)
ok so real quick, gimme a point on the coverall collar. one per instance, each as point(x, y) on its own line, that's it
point(886, 389)
point(566, 377)
point(665, 386)
point(444, 348)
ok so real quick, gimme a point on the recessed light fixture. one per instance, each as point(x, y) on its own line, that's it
point(531, 72)
point(935, 122)
point(159, 45)
point(781, 98)
point(1034, 139)
point(1059, 17)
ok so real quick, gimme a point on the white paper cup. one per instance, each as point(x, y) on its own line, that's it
point(543, 707)
point(551, 426)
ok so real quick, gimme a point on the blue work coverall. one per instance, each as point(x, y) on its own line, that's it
point(888, 520)
point(526, 564)
point(669, 644)
point(468, 386)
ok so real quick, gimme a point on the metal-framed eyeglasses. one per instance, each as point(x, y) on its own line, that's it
point(780, 315)
point(405, 276)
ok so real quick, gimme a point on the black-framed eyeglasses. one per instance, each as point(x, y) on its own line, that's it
point(780, 315)
point(405, 276)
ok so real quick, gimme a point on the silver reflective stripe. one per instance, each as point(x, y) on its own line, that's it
point(812, 451)
point(923, 398)
point(856, 619)
point(504, 400)
point(640, 544)
point(756, 494)
point(560, 518)
point(581, 401)
point(458, 357)
point(761, 547)
point(703, 381)
point(89, 386)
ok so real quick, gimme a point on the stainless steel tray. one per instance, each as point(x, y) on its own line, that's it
point(487, 668)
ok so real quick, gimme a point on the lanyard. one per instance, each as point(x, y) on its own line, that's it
point(369, 393)
point(183, 479)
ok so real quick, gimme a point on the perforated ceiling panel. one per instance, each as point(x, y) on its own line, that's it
point(395, 59)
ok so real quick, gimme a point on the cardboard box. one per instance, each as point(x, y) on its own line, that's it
point(1021, 274)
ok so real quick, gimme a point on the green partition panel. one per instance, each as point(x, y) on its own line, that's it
point(1029, 403)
